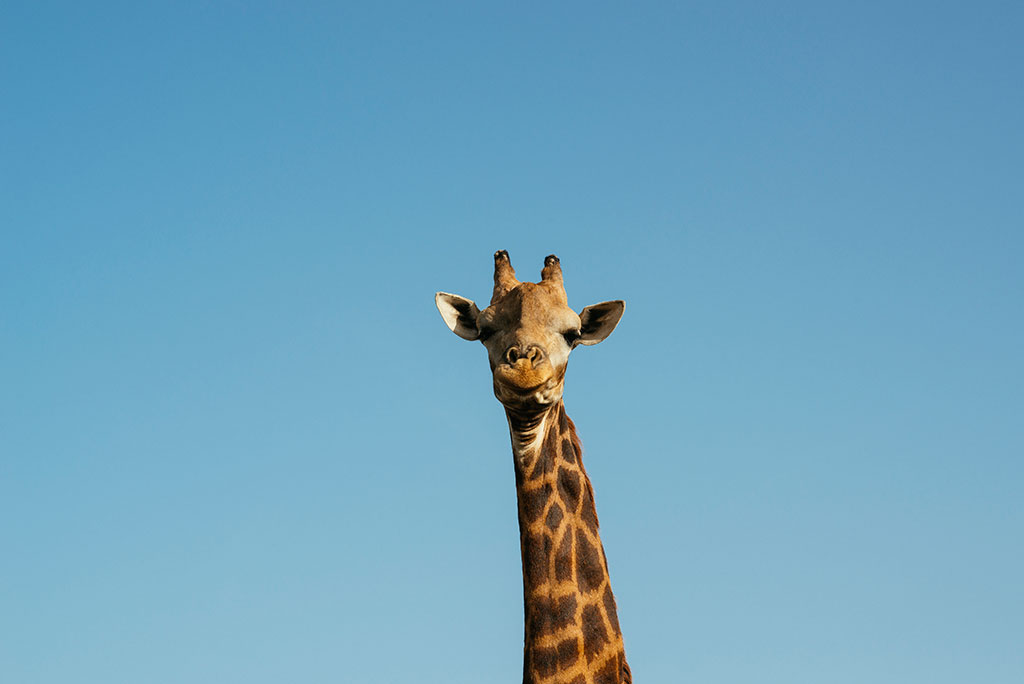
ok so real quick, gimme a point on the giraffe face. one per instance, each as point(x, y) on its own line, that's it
point(528, 331)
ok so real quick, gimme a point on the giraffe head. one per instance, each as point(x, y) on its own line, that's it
point(528, 330)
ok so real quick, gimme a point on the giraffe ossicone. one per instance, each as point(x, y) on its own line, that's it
point(572, 633)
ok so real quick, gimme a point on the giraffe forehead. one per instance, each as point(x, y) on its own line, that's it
point(531, 305)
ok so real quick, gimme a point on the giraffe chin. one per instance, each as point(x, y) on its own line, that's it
point(515, 394)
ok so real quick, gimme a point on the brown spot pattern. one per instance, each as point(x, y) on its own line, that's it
point(589, 569)
point(548, 615)
point(564, 611)
point(594, 634)
point(568, 452)
point(554, 517)
point(589, 512)
point(538, 617)
point(569, 488)
point(568, 652)
point(609, 674)
point(536, 549)
point(544, 464)
point(610, 611)
point(545, 661)
point(563, 557)
point(534, 501)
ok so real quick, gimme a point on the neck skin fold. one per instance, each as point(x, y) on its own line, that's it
point(572, 631)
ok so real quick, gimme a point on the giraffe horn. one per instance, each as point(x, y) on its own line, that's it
point(552, 273)
point(504, 275)
point(552, 269)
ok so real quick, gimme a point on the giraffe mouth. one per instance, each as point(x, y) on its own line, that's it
point(517, 386)
point(522, 377)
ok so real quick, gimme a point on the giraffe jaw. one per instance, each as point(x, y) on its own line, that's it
point(516, 396)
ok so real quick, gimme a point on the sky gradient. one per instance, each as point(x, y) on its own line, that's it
point(237, 442)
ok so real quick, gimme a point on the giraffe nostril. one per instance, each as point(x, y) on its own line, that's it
point(532, 353)
point(535, 354)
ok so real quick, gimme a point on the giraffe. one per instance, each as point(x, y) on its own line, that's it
point(572, 633)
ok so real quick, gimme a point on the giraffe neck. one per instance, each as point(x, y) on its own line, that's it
point(572, 628)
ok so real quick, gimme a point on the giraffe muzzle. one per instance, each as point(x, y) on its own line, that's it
point(525, 376)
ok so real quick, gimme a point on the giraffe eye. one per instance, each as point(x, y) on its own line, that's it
point(571, 336)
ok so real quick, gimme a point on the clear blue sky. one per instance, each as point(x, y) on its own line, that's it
point(238, 444)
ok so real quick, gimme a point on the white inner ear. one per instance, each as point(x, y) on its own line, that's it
point(598, 321)
point(459, 314)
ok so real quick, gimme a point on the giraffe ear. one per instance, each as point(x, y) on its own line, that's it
point(459, 314)
point(598, 321)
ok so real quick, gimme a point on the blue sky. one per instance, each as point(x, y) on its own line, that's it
point(237, 442)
